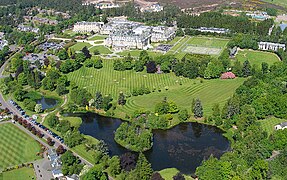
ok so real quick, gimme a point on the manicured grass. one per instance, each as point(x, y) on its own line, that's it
point(81, 149)
point(98, 37)
point(16, 147)
point(79, 46)
point(168, 174)
point(109, 81)
point(282, 3)
point(269, 123)
point(19, 174)
point(175, 40)
point(197, 41)
point(101, 49)
point(209, 92)
point(136, 53)
point(208, 42)
point(99, 42)
point(75, 121)
point(257, 57)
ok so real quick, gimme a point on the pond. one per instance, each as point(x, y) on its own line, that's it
point(182, 147)
point(47, 103)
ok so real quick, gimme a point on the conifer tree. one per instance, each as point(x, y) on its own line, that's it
point(99, 100)
point(198, 110)
point(143, 168)
point(121, 100)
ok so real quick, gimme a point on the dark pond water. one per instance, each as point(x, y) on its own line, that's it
point(47, 103)
point(183, 147)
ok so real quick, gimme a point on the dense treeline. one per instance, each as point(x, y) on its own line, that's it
point(261, 96)
point(239, 24)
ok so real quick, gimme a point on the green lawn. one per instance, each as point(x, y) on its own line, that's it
point(168, 174)
point(109, 81)
point(269, 123)
point(197, 41)
point(208, 42)
point(79, 46)
point(75, 121)
point(81, 150)
point(16, 147)
point(98, 37)
point(175, 40)
point(136, 53)
point(101, 49)
point(282, 3)
point(24, 173)
point(209, 92)
point(257, 57)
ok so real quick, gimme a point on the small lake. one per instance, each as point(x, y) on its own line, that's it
point(182, 147)
point(47, 103)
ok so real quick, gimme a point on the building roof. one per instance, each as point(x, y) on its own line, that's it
point(284, 124)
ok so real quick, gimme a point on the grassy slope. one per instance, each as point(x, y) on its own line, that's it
point(269, 123)
point(209, 92)
point(20, 174)
point(168, 174)
point(136, 53)
point(196, 41)
point(112, 82)
point(79, 46)
point(102, 37)
point(101, 49)
point(257, 57)
point(282, 3)
point(16, 147)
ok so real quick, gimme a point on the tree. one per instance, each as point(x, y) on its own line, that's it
point(143, 168)
point(264, 67)
point(114, 166)
point(50, 141)
point(183, 115)
point(38, 108)
point(95, 173)
point(259, 169)
point(121, 100)
point(156, 176)
point(237, 68)
point(214, 69)
point(62, 54)
point(86, 52)
point(98, 64)
point(73, 138)
point(107, 102)
point(128, 161)
point(68, 158)
point(178, 176)
point(19, 94)
point(99, 100)
point(80, 57)
point(246, 70)
point(151, 67)
point(138, 66)
point(60, 150)
point(198, 110)
point(53, 121)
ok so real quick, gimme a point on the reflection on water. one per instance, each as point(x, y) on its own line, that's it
point(183, 147)
point(47, 103)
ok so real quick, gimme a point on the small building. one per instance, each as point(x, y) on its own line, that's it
point(269, 46)
point(283, 26)
point(84, 27)
point(213, 30)
point(233, 51)
point(57, 173)
point(25, 28)
point(281, 126)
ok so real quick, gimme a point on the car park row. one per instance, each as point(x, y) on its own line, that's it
point(33, 121)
